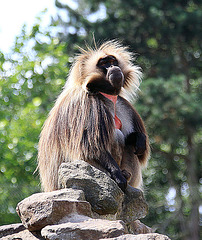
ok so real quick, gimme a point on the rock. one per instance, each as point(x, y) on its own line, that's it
point(24, 235)
point(103, 193)
point(89, 229)
point(43, 209)
point(100, 190)
point(18, 232)
point(134, 205)
point(136, 227)
point(65, 214)
point(149, 236)
point(11, 229)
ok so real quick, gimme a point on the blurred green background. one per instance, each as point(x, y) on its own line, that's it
point(166, 35)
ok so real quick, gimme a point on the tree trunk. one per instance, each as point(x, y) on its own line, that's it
point(192, 178)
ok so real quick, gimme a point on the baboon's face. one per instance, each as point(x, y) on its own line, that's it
point(108, 77)
point(107, 69)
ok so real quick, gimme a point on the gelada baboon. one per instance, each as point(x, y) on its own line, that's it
point(92, 120)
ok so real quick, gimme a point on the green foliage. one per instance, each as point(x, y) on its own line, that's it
point(31, 78)
point(164, 33)
point(173, 116)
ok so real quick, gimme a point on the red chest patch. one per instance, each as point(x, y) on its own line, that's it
point(118, 123)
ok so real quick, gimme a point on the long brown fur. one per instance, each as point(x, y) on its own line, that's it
point(81, 124)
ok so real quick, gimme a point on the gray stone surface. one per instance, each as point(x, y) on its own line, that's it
point(18, 232)
point(103, 193)
point(42, 209)
point(89, 229)
point(148, 236)
point(100, 190)
point(137, 227)
point(134, 205)
point(11, 229)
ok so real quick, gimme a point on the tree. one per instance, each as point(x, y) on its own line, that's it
point(166, 34)
point(173, 120)
point(31, 78)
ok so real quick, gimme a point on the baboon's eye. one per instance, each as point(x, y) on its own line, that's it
point(107, 62)
point(102, 62)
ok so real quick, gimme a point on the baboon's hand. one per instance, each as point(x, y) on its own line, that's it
point(140, 145)
point(120, 180)
point(138, 140)
point(108, 163)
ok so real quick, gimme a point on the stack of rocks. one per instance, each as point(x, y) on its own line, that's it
point(90, 205)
